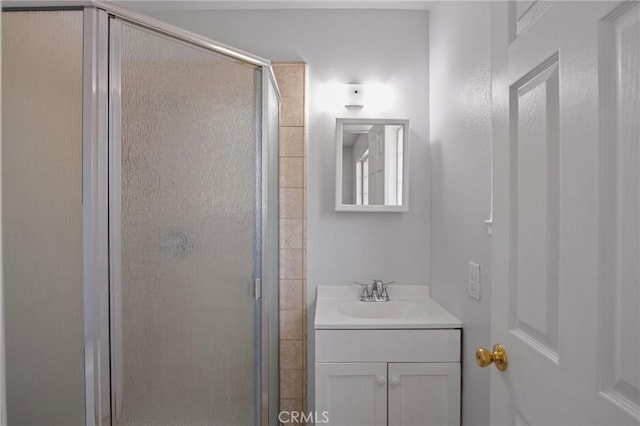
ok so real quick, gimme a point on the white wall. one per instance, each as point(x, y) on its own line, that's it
point(346, 46)
point(460, 95)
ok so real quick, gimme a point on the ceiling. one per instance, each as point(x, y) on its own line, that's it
point(277, 4)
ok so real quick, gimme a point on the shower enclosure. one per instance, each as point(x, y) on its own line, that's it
point(140, 223)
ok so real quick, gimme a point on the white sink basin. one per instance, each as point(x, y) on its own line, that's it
point(410, 307)
point(391, 309)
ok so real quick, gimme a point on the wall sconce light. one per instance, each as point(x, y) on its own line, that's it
point(354, 96)
point(338, 98)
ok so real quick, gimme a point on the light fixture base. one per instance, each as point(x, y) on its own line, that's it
point(354, 96)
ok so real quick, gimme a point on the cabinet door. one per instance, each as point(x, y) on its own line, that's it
point(424, 394)
point(352, 394)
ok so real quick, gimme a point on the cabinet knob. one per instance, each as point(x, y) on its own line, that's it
point(395, 381)
point(381, 380)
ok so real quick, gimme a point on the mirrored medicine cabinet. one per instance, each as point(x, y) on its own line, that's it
point(372, 165)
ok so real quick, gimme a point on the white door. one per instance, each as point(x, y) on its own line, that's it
point(352, 394)
point(424, 394)
point(566, 234)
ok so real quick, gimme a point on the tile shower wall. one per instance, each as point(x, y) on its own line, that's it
point(292, 80)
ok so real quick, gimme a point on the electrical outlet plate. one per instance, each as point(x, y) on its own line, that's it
point(474, 280)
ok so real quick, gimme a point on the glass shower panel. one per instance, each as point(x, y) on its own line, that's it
point(42, 217)
point(187, 235)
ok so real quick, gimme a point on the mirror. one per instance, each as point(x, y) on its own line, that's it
point(372, 166)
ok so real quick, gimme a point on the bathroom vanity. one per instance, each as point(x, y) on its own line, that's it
point(386, 363)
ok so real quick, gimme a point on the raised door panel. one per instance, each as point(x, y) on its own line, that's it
point(534, 282)
point(619, 301)
point(424, 394)
point(352, 394)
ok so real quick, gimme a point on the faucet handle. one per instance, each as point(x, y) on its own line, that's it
point(362, 285)
point(385, 294)
point(364, 295)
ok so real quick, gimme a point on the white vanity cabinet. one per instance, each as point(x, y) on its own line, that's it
point(388, 377)
point(393, 363)
point(352, 393)
point(424, 394)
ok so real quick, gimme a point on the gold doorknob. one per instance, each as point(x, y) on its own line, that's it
point(485, 357)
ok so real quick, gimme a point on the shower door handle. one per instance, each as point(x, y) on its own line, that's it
point(257, 288)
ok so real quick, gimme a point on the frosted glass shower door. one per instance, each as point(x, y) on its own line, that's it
point(184, 220)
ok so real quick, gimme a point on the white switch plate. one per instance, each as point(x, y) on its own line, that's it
point(474, 280)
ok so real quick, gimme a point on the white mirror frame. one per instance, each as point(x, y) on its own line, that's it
point(340, 207)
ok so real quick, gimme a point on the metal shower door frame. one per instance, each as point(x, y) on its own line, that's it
point(102, 206)
point(96, 218)
point(101, 127)
point(115, 213)
point(114, 99)
point(268, 80)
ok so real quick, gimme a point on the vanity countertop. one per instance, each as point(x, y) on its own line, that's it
point(410, 307)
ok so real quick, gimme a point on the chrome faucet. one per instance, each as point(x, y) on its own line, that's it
point(378, 292)
point(377, 288)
